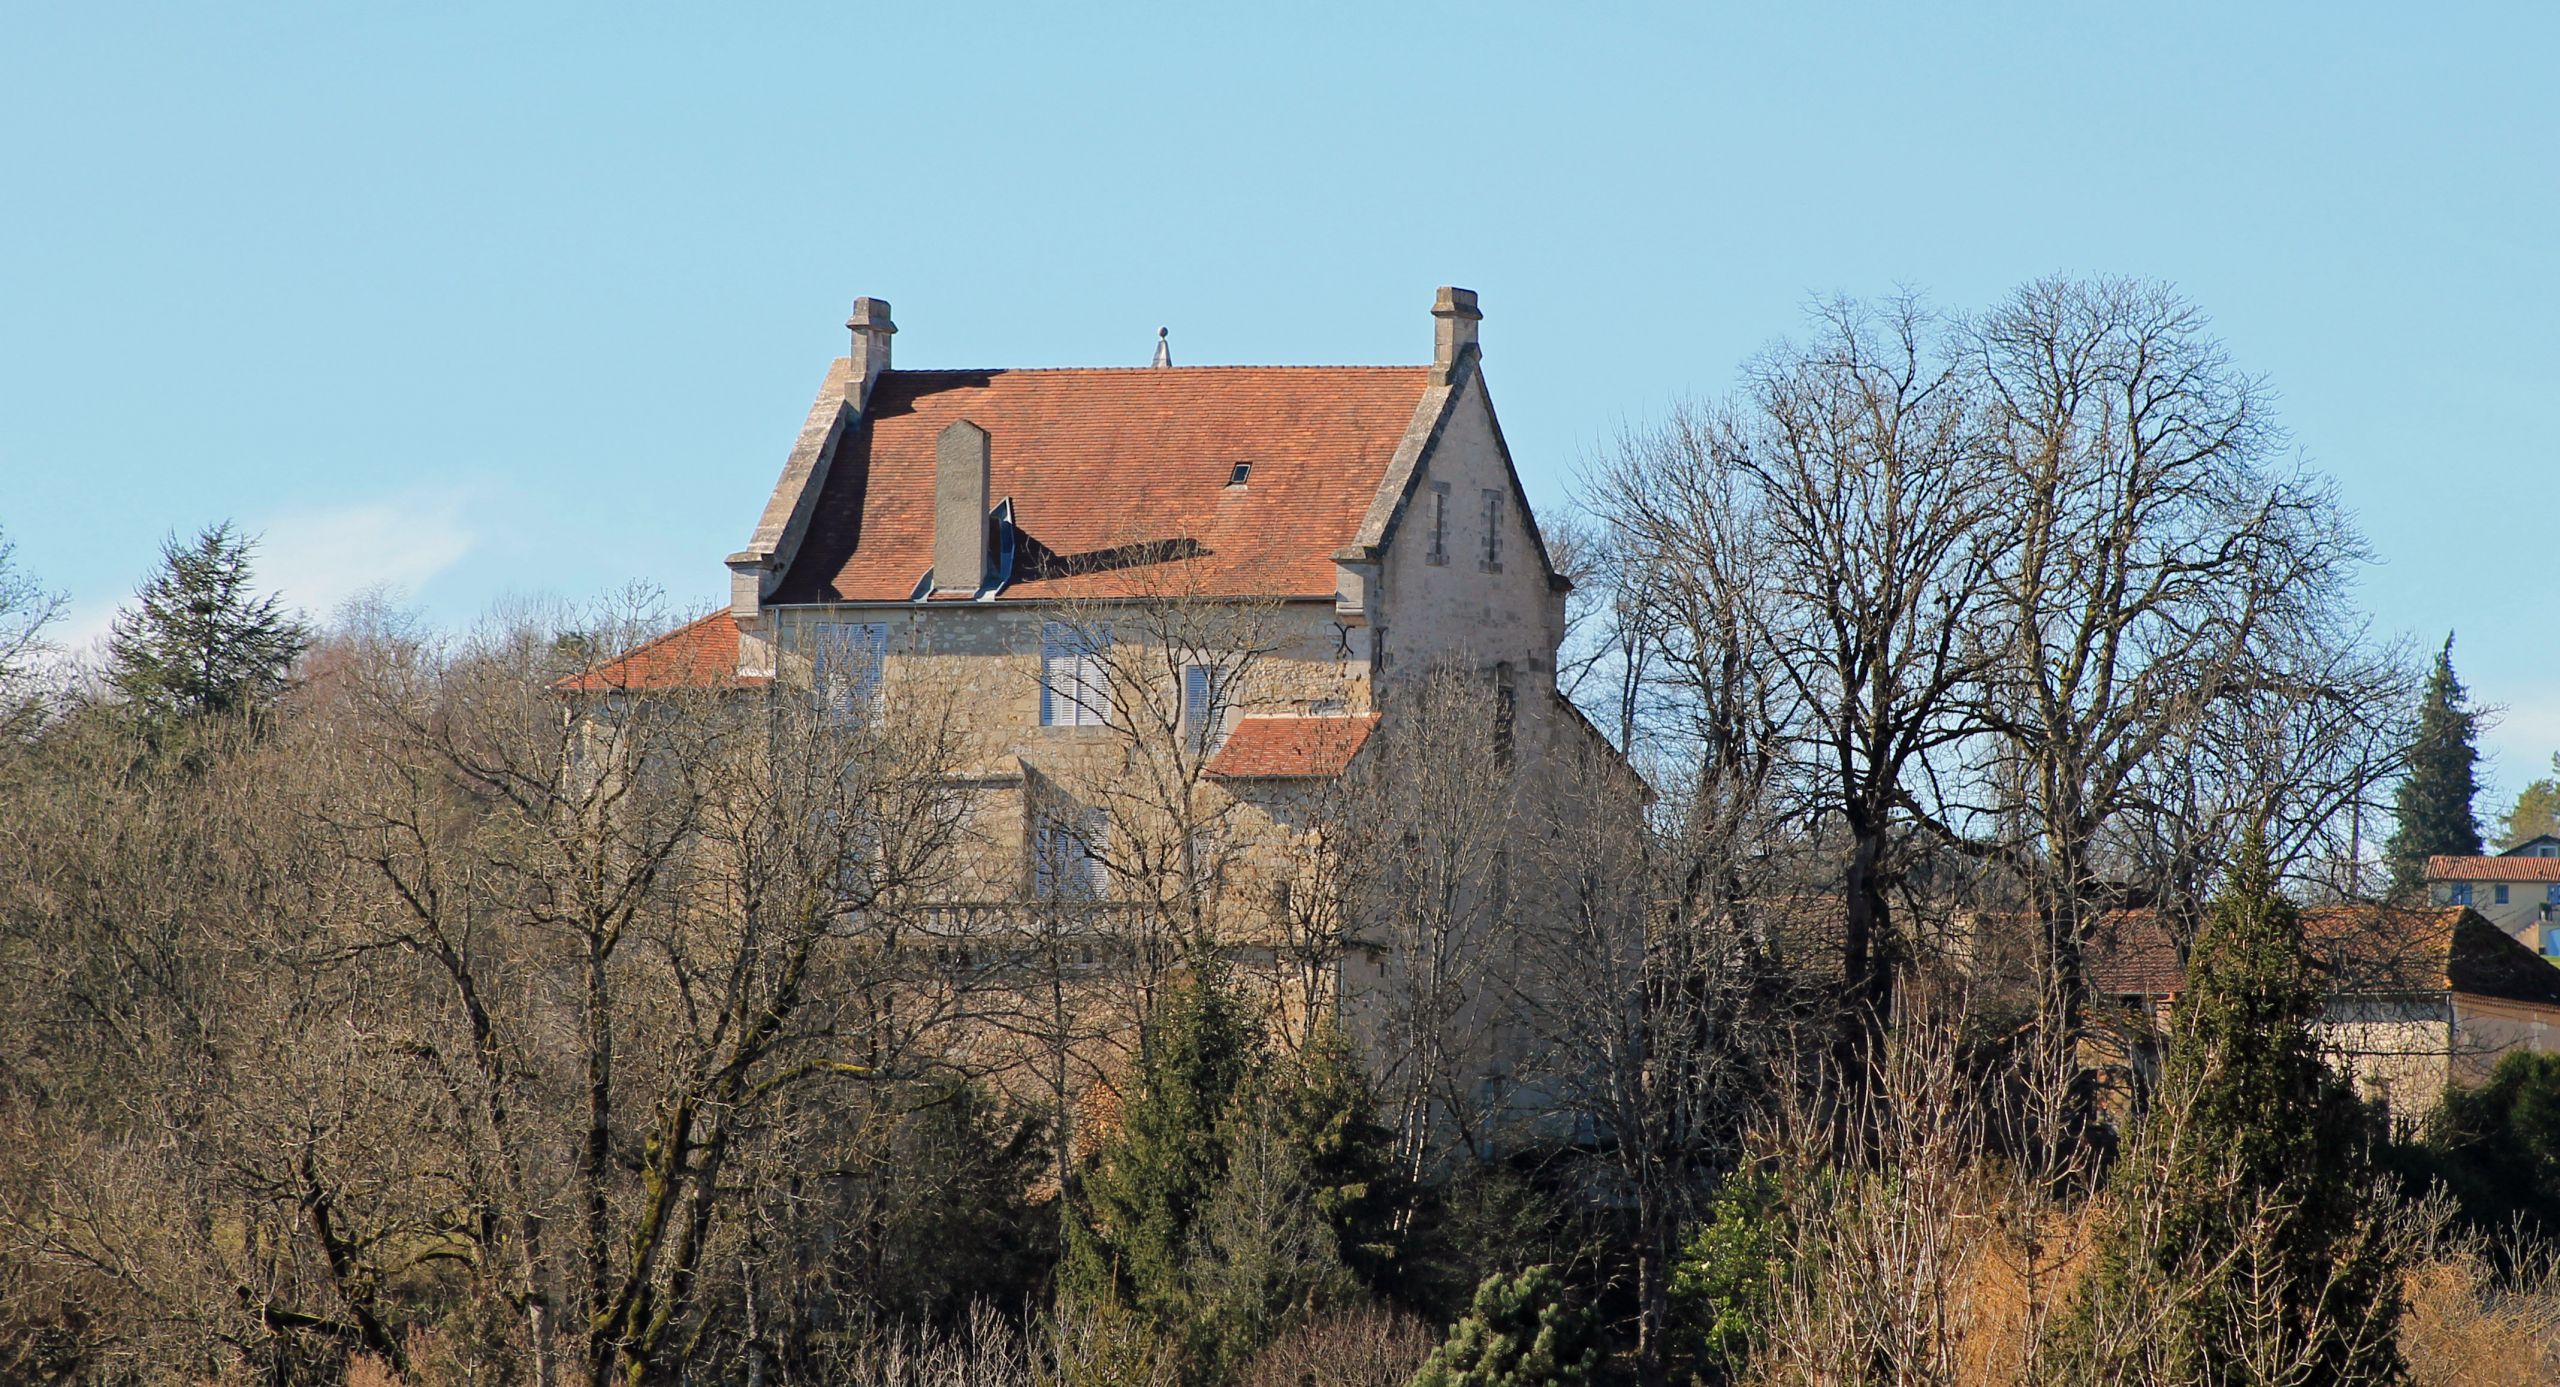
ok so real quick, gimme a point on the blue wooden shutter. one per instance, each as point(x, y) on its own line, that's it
point(1053, 653)
point(876, 662)
point(1044, 859)
point(1090, 845)
point(827, 672)
point(1195, 702)
point(1093, 677)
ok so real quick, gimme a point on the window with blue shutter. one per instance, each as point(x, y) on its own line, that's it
point(1066, 855)
point(1195, 704)
point(1075, 688)
point(845, 662)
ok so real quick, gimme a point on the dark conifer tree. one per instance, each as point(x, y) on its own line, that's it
point(1145, 1196)
point(1321, 1105)
point(2434, 805)
point(2253, 1178)
point(200, 642)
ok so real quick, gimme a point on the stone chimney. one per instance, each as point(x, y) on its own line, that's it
point(1454, 316)
point(871, 333)
point(960, 509)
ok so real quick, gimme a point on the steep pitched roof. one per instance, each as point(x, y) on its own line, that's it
point(701, 654)
point(1268, 747)
point(1120, 478)
point(2493, 869)
point(2359, 949)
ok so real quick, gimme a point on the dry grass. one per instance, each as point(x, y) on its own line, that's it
point(2466, 1329)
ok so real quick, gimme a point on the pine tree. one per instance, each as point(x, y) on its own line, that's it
point(1151, 1186)
point(2537, 809)
point(200, 642)
point(2434, 804)
point(1520, 1332)
point(1321, 1105)
point(2247, 1203)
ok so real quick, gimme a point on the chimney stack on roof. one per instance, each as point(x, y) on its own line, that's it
point(871, 332)
point(960, 486)
point(1454, 316)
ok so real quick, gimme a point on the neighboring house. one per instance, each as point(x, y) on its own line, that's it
point(2418, 998)
point(1254, 560)
point(2518, 890)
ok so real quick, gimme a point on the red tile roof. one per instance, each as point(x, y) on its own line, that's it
point(1110, 471)
point(702, 653)
point(2132, 955)
point(2493, 869)
point(1290, 748)
point(2359, 949)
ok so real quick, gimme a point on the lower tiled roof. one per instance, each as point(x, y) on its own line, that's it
point(701, 654)
point(1270, 747)
point(2493, 869)
point(2368, 949)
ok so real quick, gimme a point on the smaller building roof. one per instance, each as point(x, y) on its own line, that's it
point(701, 654)
point(2493, 868)
point(1284, 747)
point(2367, 950)
point(2131, 954)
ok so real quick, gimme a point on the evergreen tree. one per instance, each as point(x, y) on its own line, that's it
point(1322, 1106)
point(1724, 1285)
point(2434, 804)
point(1304, 1211)
point(200, 642)
point(2497, 1146)
point(1146, 1195)
point(1520, 1332)
point(2252, 1180)
point(2537, 809)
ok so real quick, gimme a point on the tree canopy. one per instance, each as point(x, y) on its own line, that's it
point(2434, 804)
point(2536, 810)
point(199, 639)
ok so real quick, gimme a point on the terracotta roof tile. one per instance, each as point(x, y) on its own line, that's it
point(2359, 949)
point(1110, 471)
point(702, 653)
point(1290, 748)
point(2132, 955)
point(2493, 869)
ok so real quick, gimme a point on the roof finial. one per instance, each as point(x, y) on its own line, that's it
point(1164, 349)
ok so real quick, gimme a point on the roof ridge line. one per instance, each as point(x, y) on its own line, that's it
point(1149, 371)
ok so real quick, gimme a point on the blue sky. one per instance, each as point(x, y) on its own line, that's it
point(491, 300)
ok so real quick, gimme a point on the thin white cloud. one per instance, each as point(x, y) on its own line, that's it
point(317, 559)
